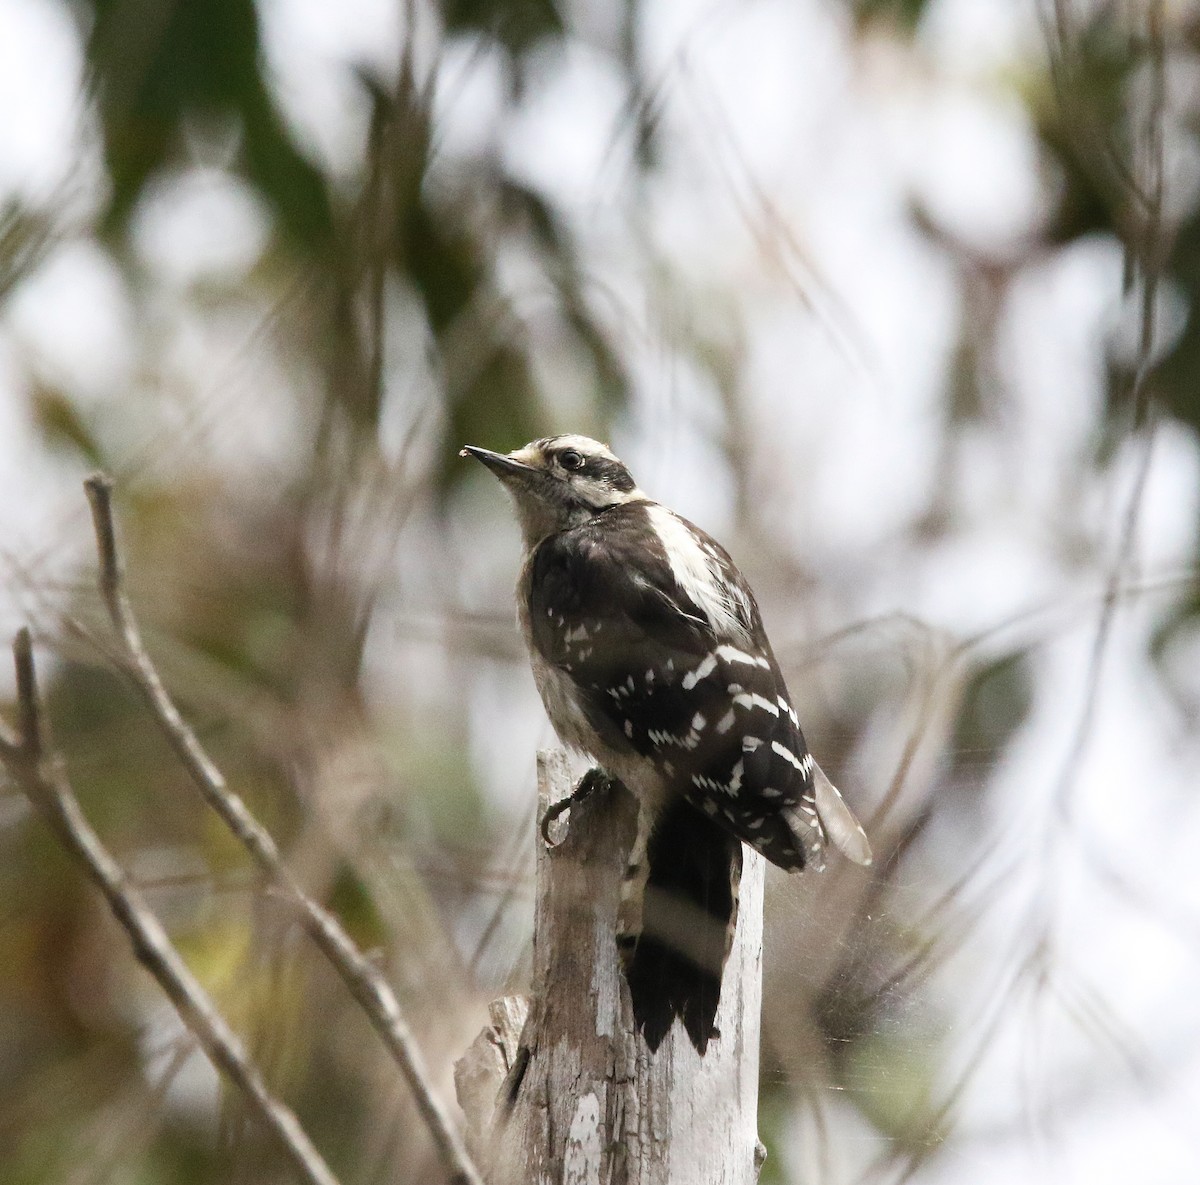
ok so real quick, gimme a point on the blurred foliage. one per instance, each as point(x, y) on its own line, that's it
point(259, 595)
point(774, 1121)
point(164, 74)
point(1080, 109)
point(517, 25)
point(996, 701)
point(62, 423)
point(1177, 377)
point(156, 68)
point(25, 237)
point(904, 15)
point(259, 613)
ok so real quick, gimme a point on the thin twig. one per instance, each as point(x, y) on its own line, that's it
point(366, 983)
point(42, 776)
point(31, 740)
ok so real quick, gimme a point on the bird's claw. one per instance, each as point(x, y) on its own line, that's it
point(588, 784)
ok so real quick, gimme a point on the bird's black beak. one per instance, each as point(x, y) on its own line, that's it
point(506, 468)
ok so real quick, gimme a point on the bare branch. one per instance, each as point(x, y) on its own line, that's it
point(99, 488)
point(42, 776)
point(366, 983)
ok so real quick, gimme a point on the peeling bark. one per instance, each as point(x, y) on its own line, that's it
point(583, 1100)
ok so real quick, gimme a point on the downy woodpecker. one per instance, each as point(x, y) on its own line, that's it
point(650, 656)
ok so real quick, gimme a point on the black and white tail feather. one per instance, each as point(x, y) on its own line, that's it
point(650, 656)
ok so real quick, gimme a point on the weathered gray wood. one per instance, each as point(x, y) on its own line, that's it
point(480, 1072)
point(593, 1105)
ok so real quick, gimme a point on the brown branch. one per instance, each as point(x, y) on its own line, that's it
point(366, 983)
point(42, 775)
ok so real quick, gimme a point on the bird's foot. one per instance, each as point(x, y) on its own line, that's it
point(591, 781)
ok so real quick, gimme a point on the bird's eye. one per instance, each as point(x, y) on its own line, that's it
point(570, 459)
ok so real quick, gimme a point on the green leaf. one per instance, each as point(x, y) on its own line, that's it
point(60, 423)
point(515, 24)
point(155, 65)
point(1176, 381)
point(904, 15)
point(996, 702)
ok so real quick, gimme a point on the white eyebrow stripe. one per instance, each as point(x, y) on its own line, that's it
point(755, 700)
point(733, 654)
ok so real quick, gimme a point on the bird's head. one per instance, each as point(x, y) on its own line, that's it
point(559, 482)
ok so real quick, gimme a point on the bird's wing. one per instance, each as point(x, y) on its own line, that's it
point(654, 677)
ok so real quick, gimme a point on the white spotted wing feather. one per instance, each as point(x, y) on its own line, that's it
point(650, 655)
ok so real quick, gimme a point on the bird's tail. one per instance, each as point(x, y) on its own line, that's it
point(677, 924)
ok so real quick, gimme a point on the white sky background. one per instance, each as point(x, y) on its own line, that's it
point(772, 117)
